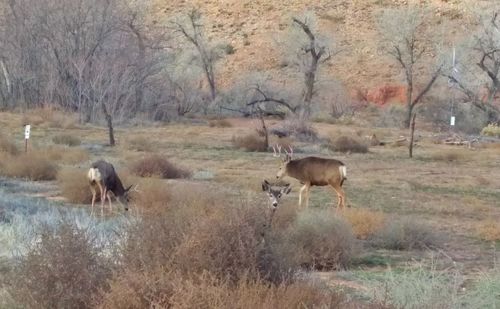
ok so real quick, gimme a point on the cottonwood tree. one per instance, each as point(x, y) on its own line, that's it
point(192, 30)
point(404, 39)
point(476, 74)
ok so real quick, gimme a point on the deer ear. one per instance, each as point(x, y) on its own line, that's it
point(286, 189)
point(265, 185)
point(126, 190)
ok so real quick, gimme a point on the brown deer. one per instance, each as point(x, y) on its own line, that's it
point(314, 171)
point(275, 193)
point(103, 176)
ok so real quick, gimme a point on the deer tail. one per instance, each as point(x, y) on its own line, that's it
point(343, 173)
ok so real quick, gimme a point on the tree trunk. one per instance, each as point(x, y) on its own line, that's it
point(412, 133)
point(109, 121)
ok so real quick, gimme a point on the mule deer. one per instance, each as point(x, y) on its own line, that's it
point(313, 171)
point(103, 175)
point(275, 193)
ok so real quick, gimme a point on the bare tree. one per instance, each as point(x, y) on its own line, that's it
point(476, 73)
point(404, 40)
point(192, 30)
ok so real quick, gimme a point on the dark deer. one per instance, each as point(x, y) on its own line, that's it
point(314, 171)
point(103, 175)
point(275, 193)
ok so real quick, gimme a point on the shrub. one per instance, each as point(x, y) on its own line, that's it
point(32, 165)
point(159, 166)
point(365, 223)
point(8, 146)
point(153, 196)
point(300, 129)
point(66, 139)
point(220, 123)
point(406, 234)
point(251, 142)
point(139, 144)
point(65, 155)
point(488, 230)
point(317, 240)
point(65, 269)
point(491, 130)
point(74, 185)
point(348, 144)
point(168, 289)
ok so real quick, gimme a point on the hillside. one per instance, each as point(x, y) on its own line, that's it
point(252, 28)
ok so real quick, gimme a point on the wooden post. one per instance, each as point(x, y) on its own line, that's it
point(27, 129)
point(412, 133)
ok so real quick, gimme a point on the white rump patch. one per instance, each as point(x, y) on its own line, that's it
point(343, 171)
point(94, 174)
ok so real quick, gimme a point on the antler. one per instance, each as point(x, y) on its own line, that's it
point(277, 154)
point(290, 154)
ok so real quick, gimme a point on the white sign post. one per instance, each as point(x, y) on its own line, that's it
point(452, 121)
point(27, 129)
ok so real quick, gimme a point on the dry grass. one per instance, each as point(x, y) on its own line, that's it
point(251, 142)
point(51, 117)
point(153, 196)
point(488, 230)
point(74, 185)
point(365, 223)
point(219, 123)
point(157, 166)
point(492, 129)
point(139, 144)
point(348, 144)
point(32, 166)
point(452, 155)
point(65, 155)
point(66, 269)
point(66, 139)
point(8, 146)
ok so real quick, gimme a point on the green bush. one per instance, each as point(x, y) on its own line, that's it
point(66, 139)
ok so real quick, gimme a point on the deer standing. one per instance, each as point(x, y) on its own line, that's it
point(275, 193)
point(314, 171)
point(103, 176)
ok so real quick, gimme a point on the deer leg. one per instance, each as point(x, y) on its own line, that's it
point(304, 187)
point(94, 193)
point(102, 191)
point(340, 197)
point(308, 187)
point(109, 200)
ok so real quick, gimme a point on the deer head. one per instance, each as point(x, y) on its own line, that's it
point(284, 161)
point(125, 198)
point(275, 192)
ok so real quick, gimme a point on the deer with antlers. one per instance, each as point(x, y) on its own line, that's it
point(313, 171)
point(103, 176)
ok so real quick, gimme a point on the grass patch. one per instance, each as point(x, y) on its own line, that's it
point(157, 166)
point(139, 144)
point(251, 142)
point(365, 223)
point(66, 139)
point(488, 230)
point(219, 123)
point(348, 144)
point(407, 234)
point(32, 166)
point(74, 185)
point(153, 195)
point(491, 130)
point(8, 146)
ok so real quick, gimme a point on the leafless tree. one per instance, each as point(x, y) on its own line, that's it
point(191, 28)
point(404, 40)
point(476, 73)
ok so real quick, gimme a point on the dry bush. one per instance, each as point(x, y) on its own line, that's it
point(488, 230)
point(455, 155)
point(152, 196)
point(407, 234)
point(32, 165)
point(492, 129)
point(317, 240)
point(51, 117)
point(8, 146)
point(157, 165)
point(220, 123)
point(168, 289)
point(65, 269)
point(65, 155)
point(66, 139)
point(250, 142)
point(300, 129)
point(365, 223)
point(348, 144)
point(74, 185)
point(139, 144)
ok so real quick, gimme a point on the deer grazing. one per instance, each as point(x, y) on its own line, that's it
point(103, 176)
point(275, 193)
point(313, 171)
